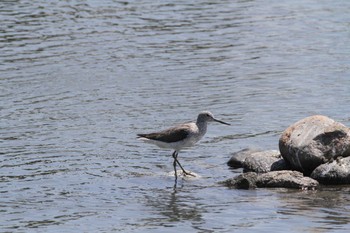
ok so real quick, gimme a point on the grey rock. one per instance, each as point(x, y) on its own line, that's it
point(286, 179)
point(243, 181)
point(257, 160)
point(264, 161)
point(336, 172)
point(274, 179)
point(237, 158)
point(313, 141)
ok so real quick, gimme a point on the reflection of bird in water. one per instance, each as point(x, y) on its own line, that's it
point(181, 136)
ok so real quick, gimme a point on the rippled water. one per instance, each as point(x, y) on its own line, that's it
point(80, 78)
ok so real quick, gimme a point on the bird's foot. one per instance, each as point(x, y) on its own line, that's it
point(185, 173)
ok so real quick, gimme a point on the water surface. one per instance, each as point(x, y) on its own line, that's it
point(79, 79)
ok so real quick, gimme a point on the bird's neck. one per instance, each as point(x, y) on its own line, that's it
point(202, 126)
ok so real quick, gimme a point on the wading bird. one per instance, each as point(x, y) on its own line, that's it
point(181, 136)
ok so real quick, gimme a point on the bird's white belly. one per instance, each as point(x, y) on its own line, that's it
point(188, 142)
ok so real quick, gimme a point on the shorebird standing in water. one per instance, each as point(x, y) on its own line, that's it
point(181, 136)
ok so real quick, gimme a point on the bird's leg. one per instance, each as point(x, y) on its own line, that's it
point(174, 164)
point(183, 170)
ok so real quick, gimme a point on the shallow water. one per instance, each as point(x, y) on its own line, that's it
point(79, 79)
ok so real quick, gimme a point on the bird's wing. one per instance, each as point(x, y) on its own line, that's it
point(174, 134)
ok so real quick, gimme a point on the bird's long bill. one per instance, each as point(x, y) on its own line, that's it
point(221, 122)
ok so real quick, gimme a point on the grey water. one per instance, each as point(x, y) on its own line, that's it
point(80, 78)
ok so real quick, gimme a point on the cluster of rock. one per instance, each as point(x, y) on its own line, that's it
point(313, 150)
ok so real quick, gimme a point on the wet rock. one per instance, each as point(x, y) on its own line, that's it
point(313, 141)
point(336, 172)
point(257, 160)
point(243, 181)
point(237, 158)
point(264, 161)
point(274, 179)
point(286, 179)
point(280, 165)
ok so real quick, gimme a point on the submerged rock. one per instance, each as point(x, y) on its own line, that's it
point(313, 141)
point(286, 179)
point(274, 179)
point(336, 172)
point(242, 181)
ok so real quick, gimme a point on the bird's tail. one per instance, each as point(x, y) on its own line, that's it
point(141, 135)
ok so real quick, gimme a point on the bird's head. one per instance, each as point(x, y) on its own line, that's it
point(207, 116)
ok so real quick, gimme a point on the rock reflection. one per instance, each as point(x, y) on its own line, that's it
point(326, 208)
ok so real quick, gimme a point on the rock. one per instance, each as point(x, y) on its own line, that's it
point(274, 179)
point(257, 160)
point(313, 141)
point(286, 179)
point(280, 165)
point(336, 172)
point(264, 161)
point(243, 181)
point(237, 158)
